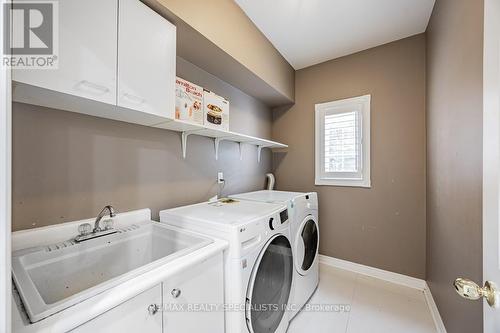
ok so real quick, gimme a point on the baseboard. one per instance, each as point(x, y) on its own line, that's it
point(392, 277)
point(381, 274)
point(438, 321)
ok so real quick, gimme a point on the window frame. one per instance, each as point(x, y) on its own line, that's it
point(362, 178)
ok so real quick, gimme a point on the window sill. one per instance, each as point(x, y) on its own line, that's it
point(344, 182)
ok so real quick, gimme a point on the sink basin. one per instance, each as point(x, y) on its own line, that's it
point(53, 278)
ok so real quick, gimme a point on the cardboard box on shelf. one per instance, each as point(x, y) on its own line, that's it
point(215, 111)
point(188, 101)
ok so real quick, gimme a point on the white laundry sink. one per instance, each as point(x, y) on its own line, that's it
point(52, 278)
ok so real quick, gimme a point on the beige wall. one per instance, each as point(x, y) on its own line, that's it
point(383, 226)
point(224, 24)
point(67, 166)
point(454, 158)
point(247, 114)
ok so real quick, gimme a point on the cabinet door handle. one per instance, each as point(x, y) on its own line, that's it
point(153, 309)
point(134, 99)
point(176, 293)
point(92, 88)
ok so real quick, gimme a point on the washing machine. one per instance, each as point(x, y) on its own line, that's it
point(258, 264)
point(304, 230)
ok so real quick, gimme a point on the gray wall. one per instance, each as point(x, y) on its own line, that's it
point(454, 158)
point(383, 226)
point(66, 166)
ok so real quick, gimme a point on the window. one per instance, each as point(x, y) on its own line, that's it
point(343, 142)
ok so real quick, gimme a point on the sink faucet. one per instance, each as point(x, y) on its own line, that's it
point(85, 228)
point(107, 210)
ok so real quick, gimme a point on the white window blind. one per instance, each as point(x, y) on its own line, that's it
point(343, 142)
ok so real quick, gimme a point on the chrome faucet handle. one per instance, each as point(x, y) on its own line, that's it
point(84, 229)
point(108, 224)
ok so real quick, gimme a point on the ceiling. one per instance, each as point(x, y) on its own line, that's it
point(308, 32)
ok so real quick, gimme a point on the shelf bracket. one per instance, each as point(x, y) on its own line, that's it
point(259, 150)
point(184, 138)
point(241, 150)
point(217, 141)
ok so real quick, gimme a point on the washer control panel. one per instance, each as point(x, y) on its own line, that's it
point(284, 216)
point(276, 222)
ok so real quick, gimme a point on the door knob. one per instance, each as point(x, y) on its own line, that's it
point(470, 290)
point(175, 293)
point(153, 309)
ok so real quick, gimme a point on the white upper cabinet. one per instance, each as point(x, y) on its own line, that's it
point(146, 60)
point(87, 52)
point(118, 52)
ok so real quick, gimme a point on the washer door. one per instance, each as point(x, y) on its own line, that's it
point(306, 244)
point(269, 287)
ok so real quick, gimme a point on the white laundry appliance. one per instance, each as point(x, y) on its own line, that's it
point(258, 266)
point(304, 230)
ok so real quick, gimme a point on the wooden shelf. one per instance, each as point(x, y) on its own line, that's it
point(188, 129)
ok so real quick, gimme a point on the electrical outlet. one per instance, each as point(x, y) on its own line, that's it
point(220, 178)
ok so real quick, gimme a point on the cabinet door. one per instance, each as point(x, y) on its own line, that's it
point(132, 316)
point(87, 51)
point(146, 60)
point(189, 296)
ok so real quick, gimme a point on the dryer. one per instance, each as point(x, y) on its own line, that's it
point(258, 265)
point(304, 230)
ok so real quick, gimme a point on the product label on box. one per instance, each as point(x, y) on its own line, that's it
point(215, 110)
point(188, 101)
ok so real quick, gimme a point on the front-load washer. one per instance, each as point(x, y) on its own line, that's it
point(258, 265)
point(304, 230)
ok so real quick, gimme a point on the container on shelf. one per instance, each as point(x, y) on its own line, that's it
point(215, 111)
point(188, 101)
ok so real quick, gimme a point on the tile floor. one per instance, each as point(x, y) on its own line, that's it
point(375, 306)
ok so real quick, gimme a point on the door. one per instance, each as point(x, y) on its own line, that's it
point(306, 244)
point(190, 295)
point(139, 314)
point(491, 176)
point(87, 51)
point(491, 158)
point(269, 287)
point(146, 60)
point(5, 190)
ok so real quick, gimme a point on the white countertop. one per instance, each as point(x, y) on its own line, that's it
point(90, 308)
